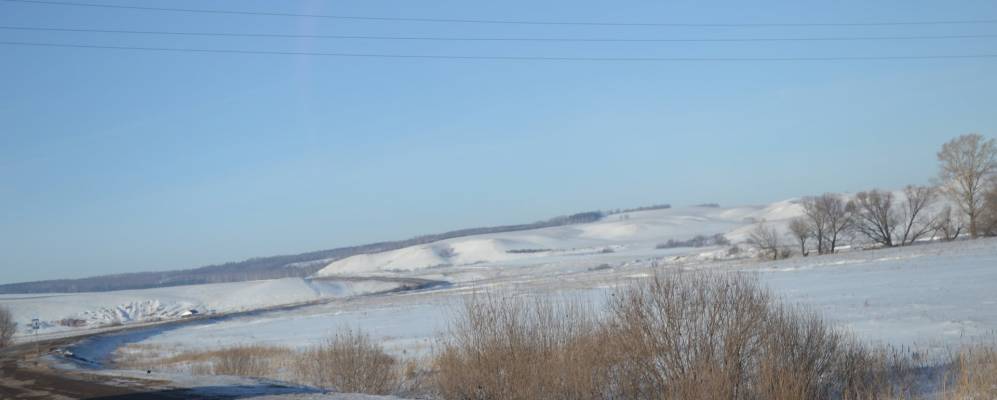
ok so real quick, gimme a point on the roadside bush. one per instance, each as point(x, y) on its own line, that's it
point(678, 336)
point(254, 360)
point(512, 348)
point(347, 362)
point(7, 327)
point(351, 362)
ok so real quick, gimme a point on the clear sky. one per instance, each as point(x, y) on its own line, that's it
point(117, 161)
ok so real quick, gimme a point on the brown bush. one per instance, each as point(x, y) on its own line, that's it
point(351, 362)
point(347, 362)
point(513, 348)
point(7, 327)
point(678, 336)
point(252, 360)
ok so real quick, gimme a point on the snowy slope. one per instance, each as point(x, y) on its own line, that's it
point(636, 232)
point(61, 312)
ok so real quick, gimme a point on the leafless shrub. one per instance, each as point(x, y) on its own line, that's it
point(348, 362)
point(351, 362)
point(948, 226)
point(253, 361)
point(678, 336)
point(802, 231)
point(7, 327)
point(915, 224)
point(513, 348)
point(766, 240)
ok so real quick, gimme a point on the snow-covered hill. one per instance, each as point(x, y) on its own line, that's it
point(634, 233)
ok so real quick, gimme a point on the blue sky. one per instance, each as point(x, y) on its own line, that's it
point(118, 161)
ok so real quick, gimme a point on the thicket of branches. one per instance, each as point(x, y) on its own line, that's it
point(7, 327)
point(967, 178)
point(677, 336)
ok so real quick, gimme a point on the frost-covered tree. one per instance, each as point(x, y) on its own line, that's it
point(802, 231)
point(966, 166)
point(766, 240)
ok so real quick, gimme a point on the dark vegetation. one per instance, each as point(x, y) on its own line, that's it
point(696, 241)
point(7, 327)
point(645, 208)
point(527, 251)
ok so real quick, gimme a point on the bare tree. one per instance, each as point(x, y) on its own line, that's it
point(966, 164)
point(765, 239)
point(814, 214)
point(948, 226)
point(875, 217)
point(802, 230)
point(830, 217)
point(915, 221)
point(7, 327)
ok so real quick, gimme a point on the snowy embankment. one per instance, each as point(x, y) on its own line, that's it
point(80, 311)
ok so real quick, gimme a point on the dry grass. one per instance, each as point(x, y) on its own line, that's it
point(347, 362)
point(351, 362)
point(684, 336)
point(975, 374)
point(512, 348)
point(7, 327)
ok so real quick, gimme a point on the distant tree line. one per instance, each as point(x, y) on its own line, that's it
point(645, 208)
point(967, 177)
point(696, 241)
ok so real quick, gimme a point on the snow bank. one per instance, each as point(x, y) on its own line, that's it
point(73, 311)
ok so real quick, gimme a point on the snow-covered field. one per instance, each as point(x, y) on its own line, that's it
point(928, 296)
point(931, 295)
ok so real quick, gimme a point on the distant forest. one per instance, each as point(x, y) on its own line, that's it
point(283, 266)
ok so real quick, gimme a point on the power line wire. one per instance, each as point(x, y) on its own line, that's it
point(501, 39)
point(505, 21)
point(501, 58)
